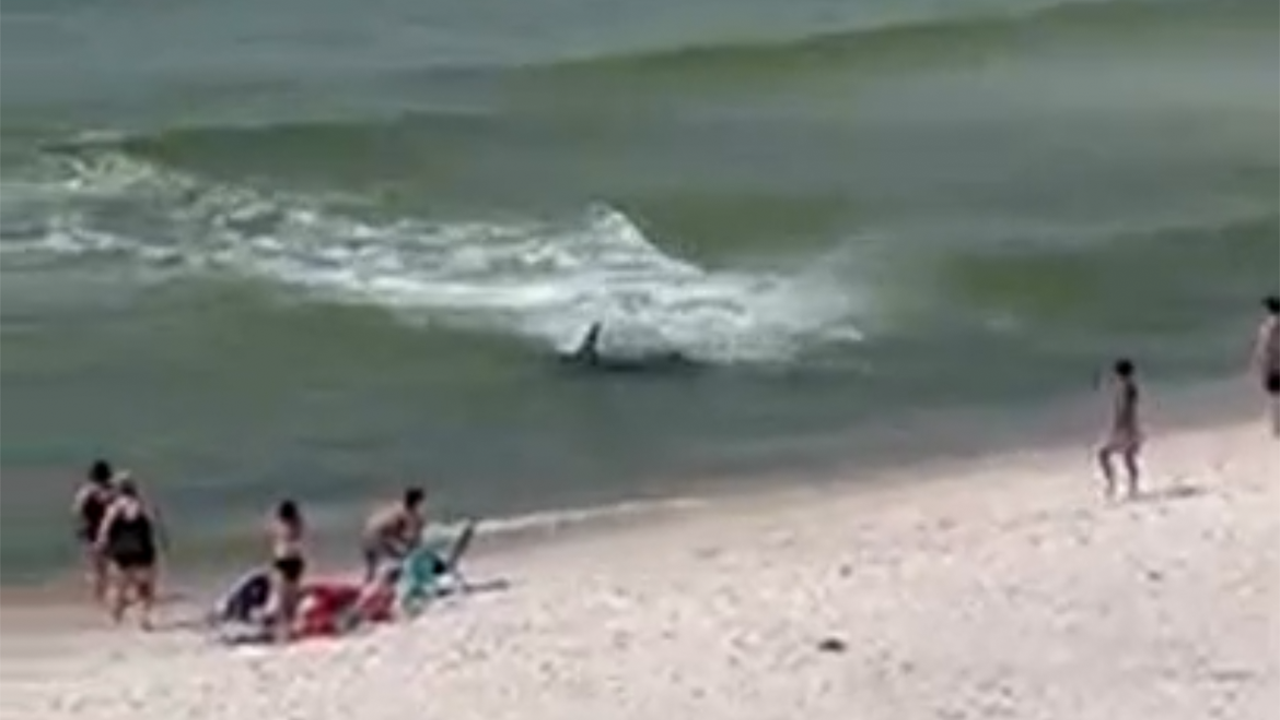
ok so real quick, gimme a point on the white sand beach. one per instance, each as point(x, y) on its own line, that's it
point(989, 588)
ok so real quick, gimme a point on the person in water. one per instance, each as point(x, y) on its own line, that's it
point(286, 531)
point(1266, 359)
point(587, 354)
point(1124, 435)
point(393, 531)
point(128, 539)
point(88, 508)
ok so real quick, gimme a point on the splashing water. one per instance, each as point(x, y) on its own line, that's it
point(545, 281)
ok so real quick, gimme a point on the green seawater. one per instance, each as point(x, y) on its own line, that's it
point(263, 249)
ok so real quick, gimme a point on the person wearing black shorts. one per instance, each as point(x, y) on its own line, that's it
point(288, 565)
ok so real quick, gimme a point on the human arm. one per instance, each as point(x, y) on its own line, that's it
point(104, 529)
point(77, 502)
point(161, 529)
point(1262, 343)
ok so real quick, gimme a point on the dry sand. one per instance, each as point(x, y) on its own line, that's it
point(997, 587)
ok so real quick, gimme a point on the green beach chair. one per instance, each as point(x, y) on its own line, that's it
point(426, 574)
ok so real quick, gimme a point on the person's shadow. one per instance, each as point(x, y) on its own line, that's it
point(1173, 492)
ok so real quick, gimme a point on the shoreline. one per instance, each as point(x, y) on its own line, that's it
point(1002, 586)
point(58, 605)
point(957, 446)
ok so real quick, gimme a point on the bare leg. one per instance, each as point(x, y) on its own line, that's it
point(120, 595)
point(145, 581)
point(286, 607)
point(1131, 468)
point(97, 574)
point(101, 577)
point(1108, 472)
point(1274, 407)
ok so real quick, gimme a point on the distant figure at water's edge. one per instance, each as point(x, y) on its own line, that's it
point(1124, 435)
point(1266, 359)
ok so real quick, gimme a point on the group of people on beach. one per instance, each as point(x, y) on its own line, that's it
point(121, 533)
point(389, 535)
point(121, 536)
point(1124, 436)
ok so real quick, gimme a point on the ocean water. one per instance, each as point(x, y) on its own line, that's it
point(323, 248)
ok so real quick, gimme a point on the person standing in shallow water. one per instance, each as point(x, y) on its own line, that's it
point(1266, 359)
point(128, 539)
point(1124, 433)
point(88, 509)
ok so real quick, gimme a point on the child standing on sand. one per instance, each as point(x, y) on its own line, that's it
point(1124, 435)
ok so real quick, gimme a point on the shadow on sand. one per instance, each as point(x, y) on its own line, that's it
point(1173, 492)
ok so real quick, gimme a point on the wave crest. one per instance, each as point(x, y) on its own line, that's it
point(540, 280)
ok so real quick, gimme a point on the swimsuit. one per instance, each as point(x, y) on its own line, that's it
point(131, 544)
point(291, 567)
point(92, 512)
point(288, 559)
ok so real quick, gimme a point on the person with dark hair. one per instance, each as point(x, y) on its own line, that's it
point(128, 538)
point(288, 564)
point(89, 508)
point(1266, 359)
point(393, 531)
point(1124, 434)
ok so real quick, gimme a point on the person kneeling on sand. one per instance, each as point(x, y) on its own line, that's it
point(392, 532)
point(1124, 433)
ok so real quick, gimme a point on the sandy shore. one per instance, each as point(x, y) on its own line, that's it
point(996, 587)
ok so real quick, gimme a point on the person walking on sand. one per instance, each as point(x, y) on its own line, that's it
point(1124, 434)
point(286, 531)
point(393, 531)
point(128, 539)
point(1266, 359)
point(89, 508)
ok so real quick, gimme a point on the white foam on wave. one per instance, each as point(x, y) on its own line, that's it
point(542, 280)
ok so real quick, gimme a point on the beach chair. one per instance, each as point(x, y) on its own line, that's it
point(426, 574)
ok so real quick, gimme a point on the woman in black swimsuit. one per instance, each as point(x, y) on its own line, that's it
point(128, 540)
point(89, 508)
point(288, 563)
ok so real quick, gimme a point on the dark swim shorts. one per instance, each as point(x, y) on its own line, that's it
point(290, 567)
